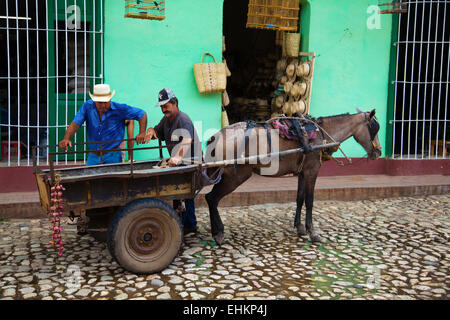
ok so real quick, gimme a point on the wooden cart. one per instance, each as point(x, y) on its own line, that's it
point(124, 204)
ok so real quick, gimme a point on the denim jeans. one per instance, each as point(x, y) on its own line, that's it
point(110, 157)
point(189, 220)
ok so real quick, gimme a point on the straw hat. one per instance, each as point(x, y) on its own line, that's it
point(287, 107)
point(305, 88)
point(298, 106)
point(283, 80)
point(305, 69)
point(288, 87)
point(308, 88)
point(290, 70)
point(296, 90)
point(102, 93)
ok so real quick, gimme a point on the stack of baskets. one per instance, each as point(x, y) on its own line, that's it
point(294, 87)
point(273, 14)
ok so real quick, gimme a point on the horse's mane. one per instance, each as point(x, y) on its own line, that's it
point(339, 116)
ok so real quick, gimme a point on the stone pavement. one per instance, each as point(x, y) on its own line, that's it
point(396, 248)
point(259, 190)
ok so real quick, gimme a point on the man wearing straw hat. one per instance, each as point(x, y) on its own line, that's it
point(105, 121)
point(177, 126)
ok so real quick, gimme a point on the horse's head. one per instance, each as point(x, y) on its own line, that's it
point(367, 135)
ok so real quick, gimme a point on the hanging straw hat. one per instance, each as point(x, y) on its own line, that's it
point(304, 86)
point(102, 93)
point(290, 70)
point(296, 90)
point(308, 89)
point(287, 107)
point(305, 69)
point(288, 87)
point(283, 80)
point(298, 106)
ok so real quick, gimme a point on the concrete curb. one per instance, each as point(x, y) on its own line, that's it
point(21, 210)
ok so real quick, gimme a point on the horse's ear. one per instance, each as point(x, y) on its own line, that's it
point(358, 110)
point(372, 114)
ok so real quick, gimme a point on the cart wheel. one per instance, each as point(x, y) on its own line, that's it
point(145, 236)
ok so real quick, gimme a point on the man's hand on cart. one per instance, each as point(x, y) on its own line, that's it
point(64, 143)
point(174, 161)
point(151, 134)
point(141, 138)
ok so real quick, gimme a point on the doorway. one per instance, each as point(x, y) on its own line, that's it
point(251, 56)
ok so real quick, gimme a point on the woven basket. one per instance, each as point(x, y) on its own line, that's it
point(210, 77)
point(292, 43)
point(288, 15)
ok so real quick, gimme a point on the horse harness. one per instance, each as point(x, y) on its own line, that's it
point(291, 129)
point(373, 127)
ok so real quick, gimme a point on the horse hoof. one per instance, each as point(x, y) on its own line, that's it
point(315, 238)
point(219, 238)
point(301, 231)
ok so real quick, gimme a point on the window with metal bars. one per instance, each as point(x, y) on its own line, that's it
point(420, 125)
point(50, 58)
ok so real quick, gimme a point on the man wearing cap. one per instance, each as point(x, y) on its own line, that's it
point(177, 128)
point(105, 121)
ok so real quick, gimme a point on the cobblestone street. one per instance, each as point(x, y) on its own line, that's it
point(379, 249)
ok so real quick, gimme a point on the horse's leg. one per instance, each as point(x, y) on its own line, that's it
point(301, 231)
point(310, 182)
point(231, 179)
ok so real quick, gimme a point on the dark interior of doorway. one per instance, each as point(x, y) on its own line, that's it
point(251, 56)
point(424, 60)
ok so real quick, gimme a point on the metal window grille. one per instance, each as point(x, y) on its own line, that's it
point(421, 118)
point(50, 58)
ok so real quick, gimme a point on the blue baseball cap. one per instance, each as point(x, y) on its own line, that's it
point(164, 96)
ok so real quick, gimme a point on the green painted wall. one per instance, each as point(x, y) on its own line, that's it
point(143, 56)
point(351, 70)
point(352, 61)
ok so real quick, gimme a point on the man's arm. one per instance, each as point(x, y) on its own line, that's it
point(155, 133)
point(130, 134)
point(140, 138)
point(68, 135)
point(175, 160)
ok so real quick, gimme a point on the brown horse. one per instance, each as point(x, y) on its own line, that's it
point(237, 141)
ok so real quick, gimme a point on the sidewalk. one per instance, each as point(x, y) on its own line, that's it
point(259, 190)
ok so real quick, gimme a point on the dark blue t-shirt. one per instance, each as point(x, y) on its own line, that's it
point(167, 131)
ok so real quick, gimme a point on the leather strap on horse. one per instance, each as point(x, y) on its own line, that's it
point(252, 124)
point(300, 166)
point(301, 137)
point(213, 181)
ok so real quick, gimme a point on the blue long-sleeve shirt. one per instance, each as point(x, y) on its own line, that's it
point(110, 127)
